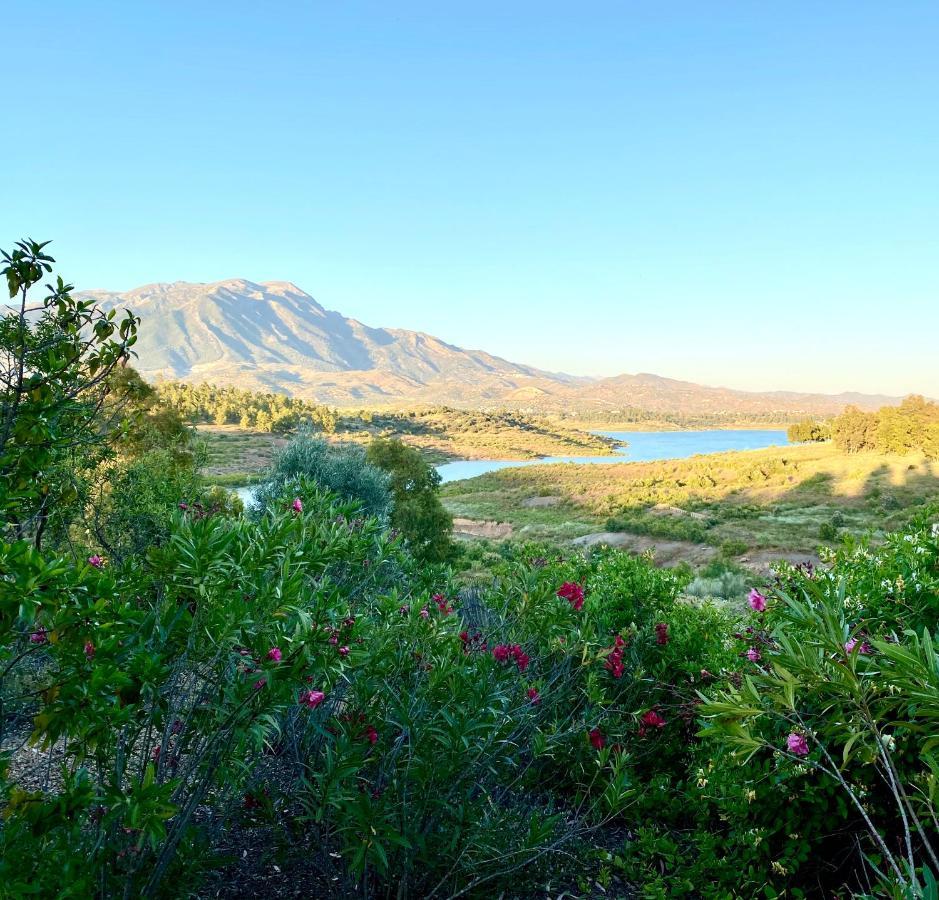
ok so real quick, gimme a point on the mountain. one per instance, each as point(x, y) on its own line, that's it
point(274, 336)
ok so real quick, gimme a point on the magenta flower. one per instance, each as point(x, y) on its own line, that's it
point(371, 735)
point(95, 561)
point(797, 744)
point(661, 633)
point(597, 740)
point(425, 613)
point(89, 650)
point(756, 601)
point(501, 652)
point(753, 654)
point(534, 696)
point(297, 505)
point(38, 636)
point(260, 683)
point(864, 648)
point(573, 593)
point(404, 610)
point(274, 654)
point(312, 699)
point(343, 651)
point(651, 719)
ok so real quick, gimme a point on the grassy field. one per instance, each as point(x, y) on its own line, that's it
point(789, 499)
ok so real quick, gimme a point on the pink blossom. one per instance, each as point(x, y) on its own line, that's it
point(797, 744)
point(371, 735)
point(425, 613)
point(38, 636)
point(596, 738)
point(260, 683)
point(661, 633)
point(756, 601)
point(95, 561)
point(573, 593)
point(501, 652)
point(534, 696)
point(89, 650)
point(343, 651)
point(864, 647)
point(753, 654)
point(651, 719)
point(274, 654)
point(404, 610)
point(297, 505)
point(312, 699)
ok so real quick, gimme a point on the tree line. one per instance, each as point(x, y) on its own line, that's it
point(209, 403)
point(913, 426)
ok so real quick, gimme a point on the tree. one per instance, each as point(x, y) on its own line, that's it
point(57, 357)
point(417, 512)
point(809, 430)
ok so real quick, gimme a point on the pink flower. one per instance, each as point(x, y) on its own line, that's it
point(597, 740)
point(573, 593)
point(95, 561)
point(404, 610)
point(371, 735)
point(753, 654)
point(534, 696)
point(343, 651)
point(425, 613)
point(89, 650)
point(312, 699)
point(297, 505)
point(650, 720)
point(260, 683)
point(797, 744)
point(661, 633)
point(38, 636)
point(756, 601)
point(501, 652)
point(614, 662)
point(274, 654)
point(442, 604)
point(521, 659)
point(850, 644)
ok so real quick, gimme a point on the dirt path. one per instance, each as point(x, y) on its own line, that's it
point(667, 553)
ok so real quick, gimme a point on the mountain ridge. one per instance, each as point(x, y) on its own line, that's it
point(275, 336)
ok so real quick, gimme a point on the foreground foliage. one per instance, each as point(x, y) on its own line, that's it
point(178, 679)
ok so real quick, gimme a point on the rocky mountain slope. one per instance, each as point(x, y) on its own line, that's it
point(275, 336)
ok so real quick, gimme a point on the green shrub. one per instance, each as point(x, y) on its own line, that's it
point(839, 711)
point(417, 511)
point(341, 469)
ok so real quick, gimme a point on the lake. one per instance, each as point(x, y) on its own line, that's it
point(641, 446)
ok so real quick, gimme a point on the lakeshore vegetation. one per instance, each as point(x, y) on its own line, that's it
point(301, 698)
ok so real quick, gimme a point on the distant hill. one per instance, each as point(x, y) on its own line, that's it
point(274, 336)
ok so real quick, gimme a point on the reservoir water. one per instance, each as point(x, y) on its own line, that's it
point(639, 446)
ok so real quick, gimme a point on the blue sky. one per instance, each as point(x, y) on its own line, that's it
point(737, 193)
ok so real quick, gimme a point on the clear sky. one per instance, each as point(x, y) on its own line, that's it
point(739, 193)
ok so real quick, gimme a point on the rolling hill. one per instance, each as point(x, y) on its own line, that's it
point(274, 336)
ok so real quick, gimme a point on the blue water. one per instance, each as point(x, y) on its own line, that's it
point(641, 446)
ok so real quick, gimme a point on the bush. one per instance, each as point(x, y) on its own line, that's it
point(417, 511)
point(341, 469)
point(839, 708)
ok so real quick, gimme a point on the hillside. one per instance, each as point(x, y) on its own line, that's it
point(275, 336)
